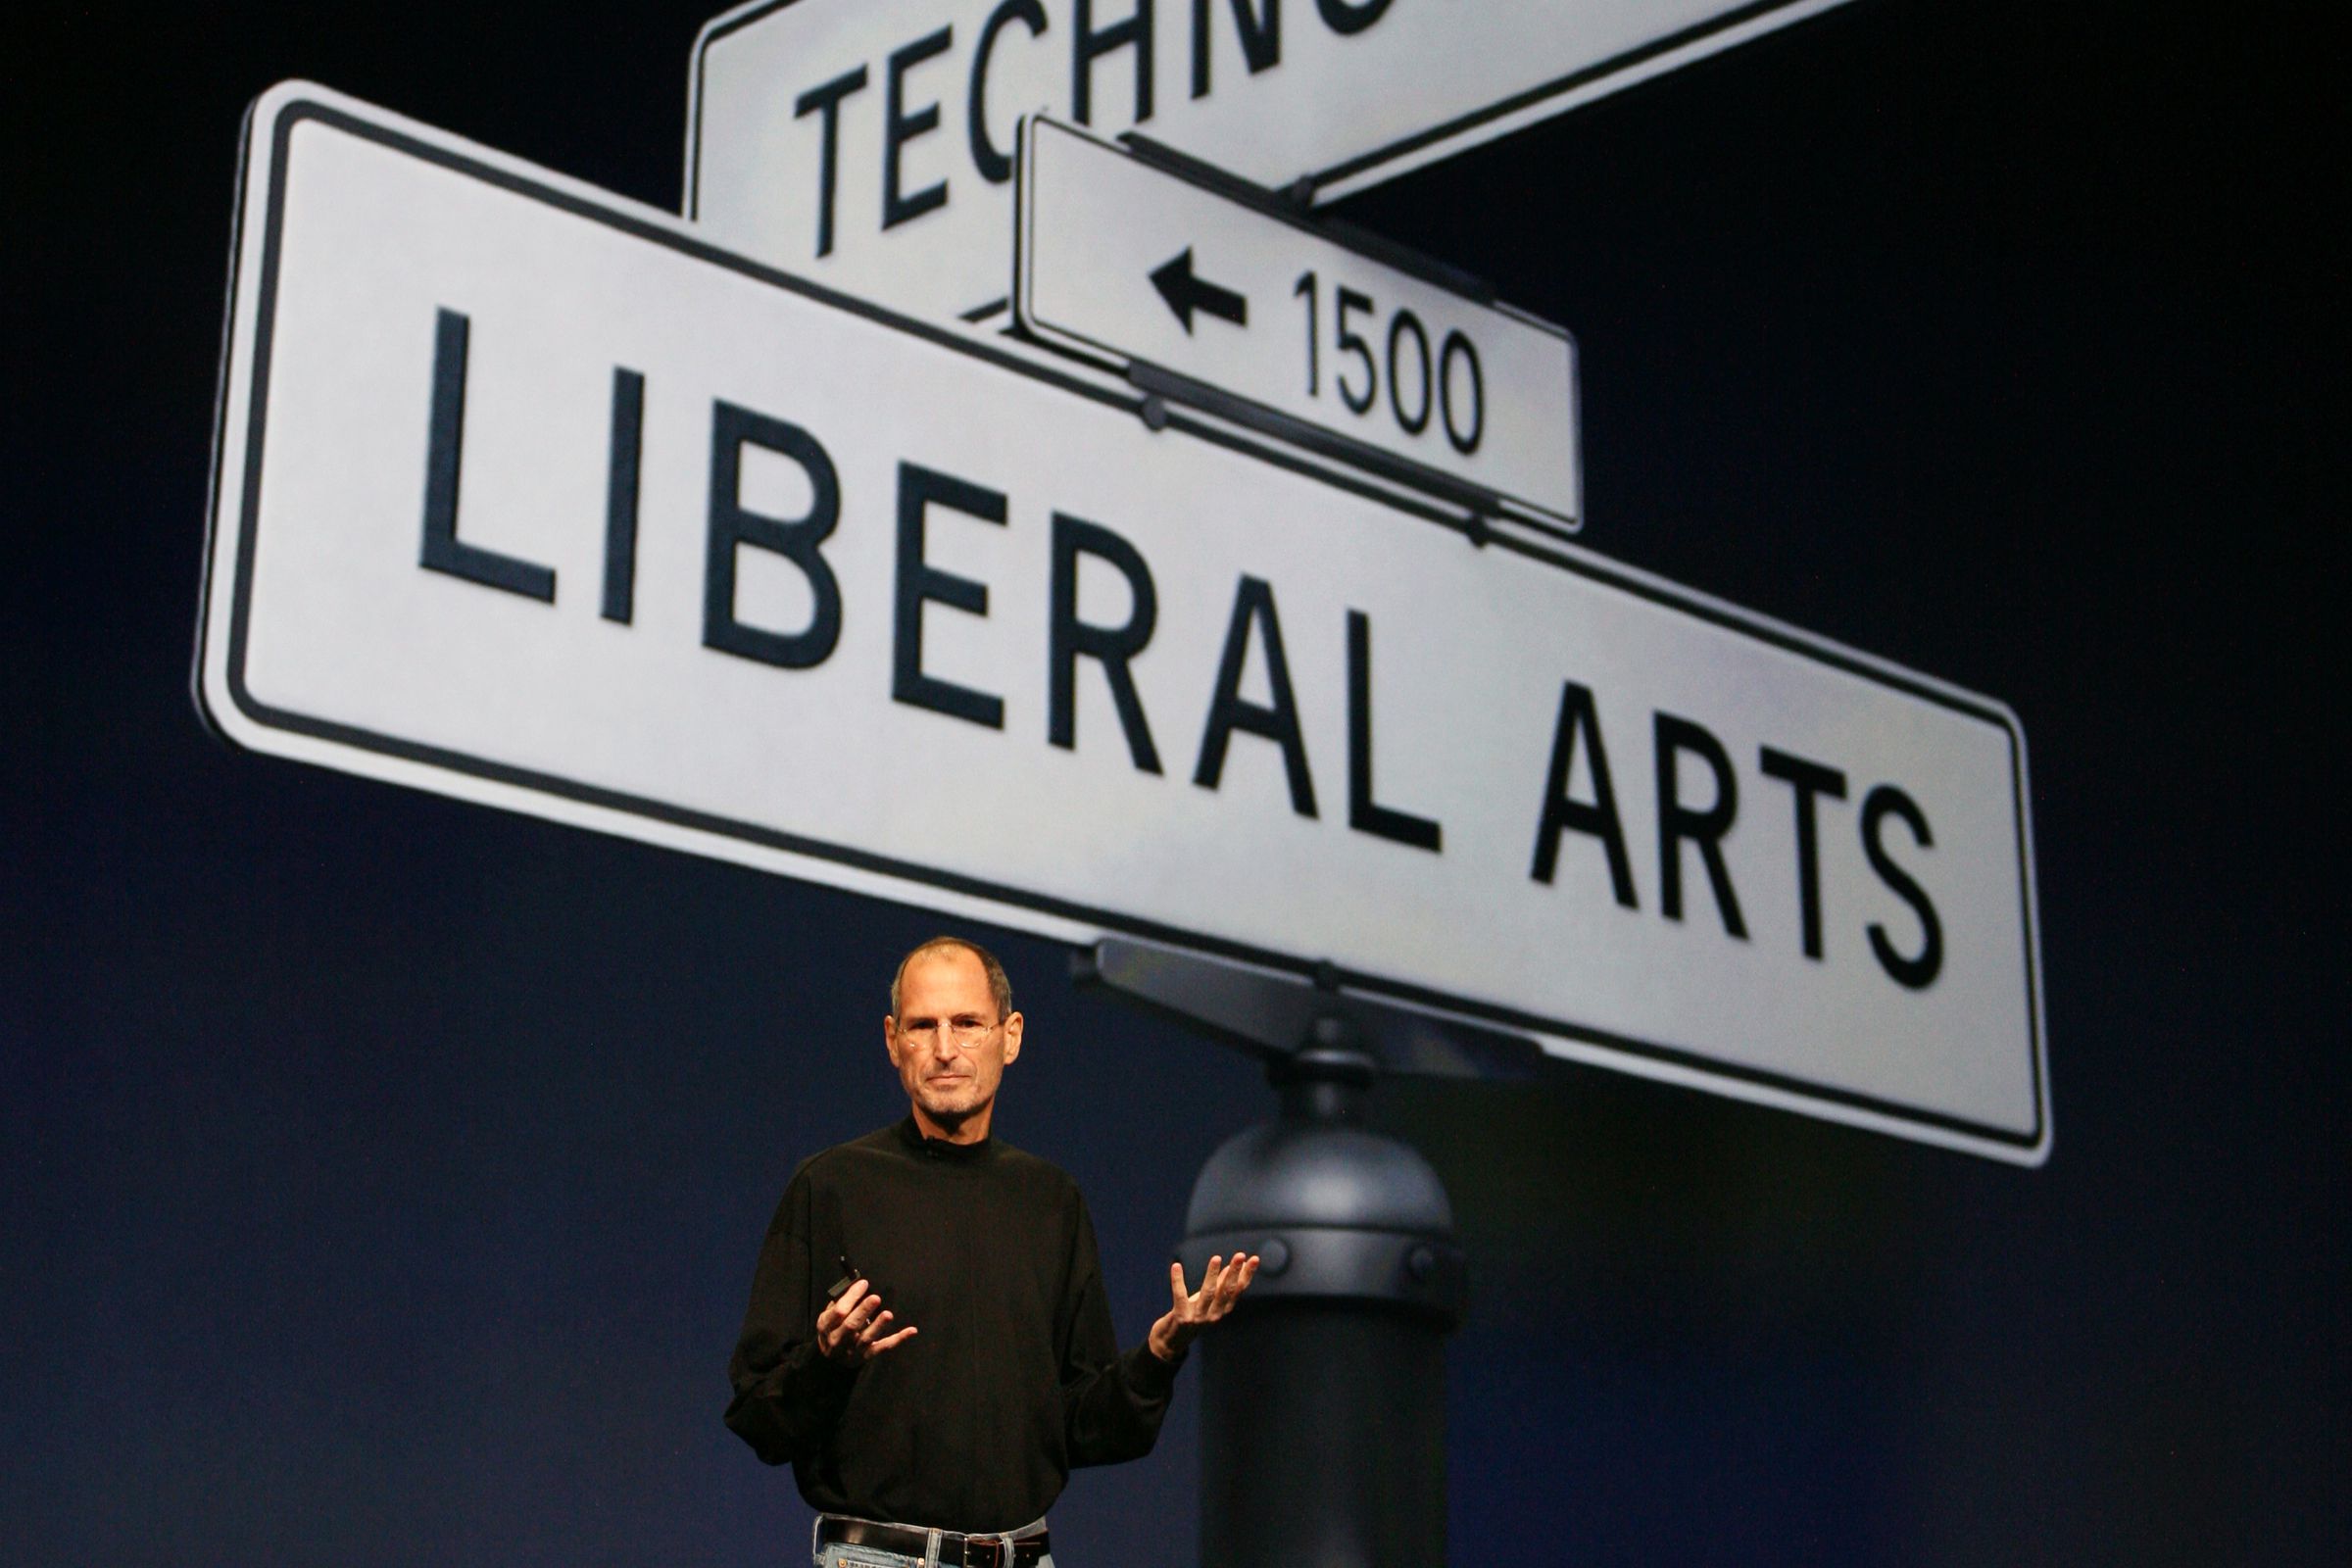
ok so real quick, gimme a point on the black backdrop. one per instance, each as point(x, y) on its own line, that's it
point(379, 1176)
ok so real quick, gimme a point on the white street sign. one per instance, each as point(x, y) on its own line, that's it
point(1125, 261)
point(871, 145)
point(529, 495)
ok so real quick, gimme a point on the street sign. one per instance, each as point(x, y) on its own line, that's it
point(1251, 307)
point(529, 495)
point(872, 145)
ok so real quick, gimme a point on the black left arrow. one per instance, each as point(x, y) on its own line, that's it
point(1186, 293)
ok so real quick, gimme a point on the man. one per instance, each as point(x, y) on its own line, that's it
point(928, 1342)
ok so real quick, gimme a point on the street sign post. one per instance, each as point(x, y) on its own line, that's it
point(529, 494)
point(1252, 308)
point(872, 146)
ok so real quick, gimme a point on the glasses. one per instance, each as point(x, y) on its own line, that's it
point(964, 1033)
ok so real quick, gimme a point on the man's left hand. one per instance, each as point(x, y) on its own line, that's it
point(1220, 1288)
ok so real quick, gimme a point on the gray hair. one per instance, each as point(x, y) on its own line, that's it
point(1000, 985)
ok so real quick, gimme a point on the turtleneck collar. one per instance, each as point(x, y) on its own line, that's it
point(939, 1147)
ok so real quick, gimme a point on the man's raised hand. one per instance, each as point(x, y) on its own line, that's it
point(1193, 1311)
point(849, 1329)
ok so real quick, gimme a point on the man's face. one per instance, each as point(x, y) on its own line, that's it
point(949, 1045)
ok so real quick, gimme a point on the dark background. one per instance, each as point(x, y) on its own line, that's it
point(381, 1176)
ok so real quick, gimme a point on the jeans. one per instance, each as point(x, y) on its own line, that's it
point(842, 1555)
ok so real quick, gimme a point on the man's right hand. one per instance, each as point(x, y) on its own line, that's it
point(849, 1329)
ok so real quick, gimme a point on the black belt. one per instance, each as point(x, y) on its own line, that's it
point(954, 1551)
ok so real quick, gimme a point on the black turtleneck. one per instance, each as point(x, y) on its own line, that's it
point(975, 1423)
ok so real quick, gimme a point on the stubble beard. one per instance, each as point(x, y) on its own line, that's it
point(952, 1104)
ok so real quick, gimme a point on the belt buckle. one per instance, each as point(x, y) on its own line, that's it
point(997, 1557)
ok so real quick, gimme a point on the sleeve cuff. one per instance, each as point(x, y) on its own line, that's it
point(1149, 1375)
point(830, 1375)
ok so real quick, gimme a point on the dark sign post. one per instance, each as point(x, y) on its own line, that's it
point(1323, 1426)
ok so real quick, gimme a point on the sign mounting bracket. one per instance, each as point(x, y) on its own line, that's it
point(1276, 1016)
point(1480, 503)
